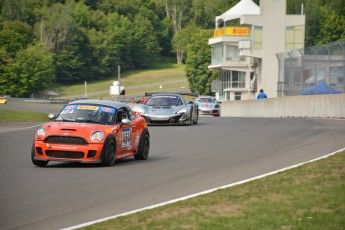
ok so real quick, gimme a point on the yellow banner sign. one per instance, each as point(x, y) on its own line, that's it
point(232, 31)
point(88, 107)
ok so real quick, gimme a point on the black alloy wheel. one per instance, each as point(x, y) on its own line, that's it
point(144, 146)
point(109, 154)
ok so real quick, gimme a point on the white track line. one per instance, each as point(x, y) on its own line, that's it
point(29, 127)
point(199, 194)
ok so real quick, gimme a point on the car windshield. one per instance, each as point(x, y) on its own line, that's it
point(87, 114)
point(164, 101)
point(204, 100)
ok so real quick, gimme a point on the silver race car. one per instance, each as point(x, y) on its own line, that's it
point(208, 105)
point(168, 109)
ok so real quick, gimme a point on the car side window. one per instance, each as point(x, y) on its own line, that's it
point(131, 115)
point(122, 113)
point(179, 102)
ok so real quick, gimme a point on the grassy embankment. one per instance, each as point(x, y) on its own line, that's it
point(7, 115)
point(167, 75)
point(308, 197)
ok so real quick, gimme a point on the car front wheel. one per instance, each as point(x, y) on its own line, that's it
point(109, 153)
point(196, 119)
point(190, 122)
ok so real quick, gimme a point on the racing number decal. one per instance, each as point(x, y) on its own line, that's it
point(127, 138)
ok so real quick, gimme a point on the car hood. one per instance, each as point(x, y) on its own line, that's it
point(72, 128)
point(161, 110)
point(206, 105)
point(158, 110)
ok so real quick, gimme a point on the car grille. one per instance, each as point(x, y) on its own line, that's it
point(66, 140)
point(62, 154)
point(205, 112)
point(173, 120)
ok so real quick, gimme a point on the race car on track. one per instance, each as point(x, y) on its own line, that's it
point(92, 131)
point(168, 109)
point(208, 105)
point(3, 100)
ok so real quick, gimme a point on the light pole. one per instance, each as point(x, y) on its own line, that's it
point(85, 89)
point(118, 79)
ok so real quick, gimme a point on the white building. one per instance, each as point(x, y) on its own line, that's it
point(246, 40)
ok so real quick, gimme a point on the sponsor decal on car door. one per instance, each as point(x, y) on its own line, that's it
point(126, 139)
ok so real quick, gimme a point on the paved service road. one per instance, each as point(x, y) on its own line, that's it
point(183, 160)
point(43, 108)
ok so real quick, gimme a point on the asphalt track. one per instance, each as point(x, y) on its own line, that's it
point(183, 160)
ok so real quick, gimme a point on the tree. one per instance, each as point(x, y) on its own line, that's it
point(205, 11)
point(82, 15)
point(109, 43)
point(164, 35)
point(19, 10)
point(198, 59)
point(332, 26)
point(177, 11)
point(56, 29)
point(30, 72)
point(14, 36)
point(181, 40)
point(144, 44)
point(61, 29)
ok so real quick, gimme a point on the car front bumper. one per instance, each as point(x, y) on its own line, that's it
point(214, 112)
point(166, 120)
point(90, 153)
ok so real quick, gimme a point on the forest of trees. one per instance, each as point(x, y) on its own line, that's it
point(70, 41)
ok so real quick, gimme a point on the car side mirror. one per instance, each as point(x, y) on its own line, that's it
point(51, 116)
point(125, 121)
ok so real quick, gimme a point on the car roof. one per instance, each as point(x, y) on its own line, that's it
point(205, 97)
point(167, 94)
point(114, 104)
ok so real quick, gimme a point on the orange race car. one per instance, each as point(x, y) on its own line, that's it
point(92, 131)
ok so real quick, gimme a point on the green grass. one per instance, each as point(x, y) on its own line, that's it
point(7, 115)
point(165, 74)
point(307, 197)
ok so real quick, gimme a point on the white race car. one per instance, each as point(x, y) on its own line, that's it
point(208, 105)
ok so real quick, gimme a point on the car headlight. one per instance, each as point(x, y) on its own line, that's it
point(40, 133)
point(182, 111)
point(97, 136)
point(217, 106)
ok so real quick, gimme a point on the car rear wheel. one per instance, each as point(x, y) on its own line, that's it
point(144, 146)
point(37, 162)
point(109, 153)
